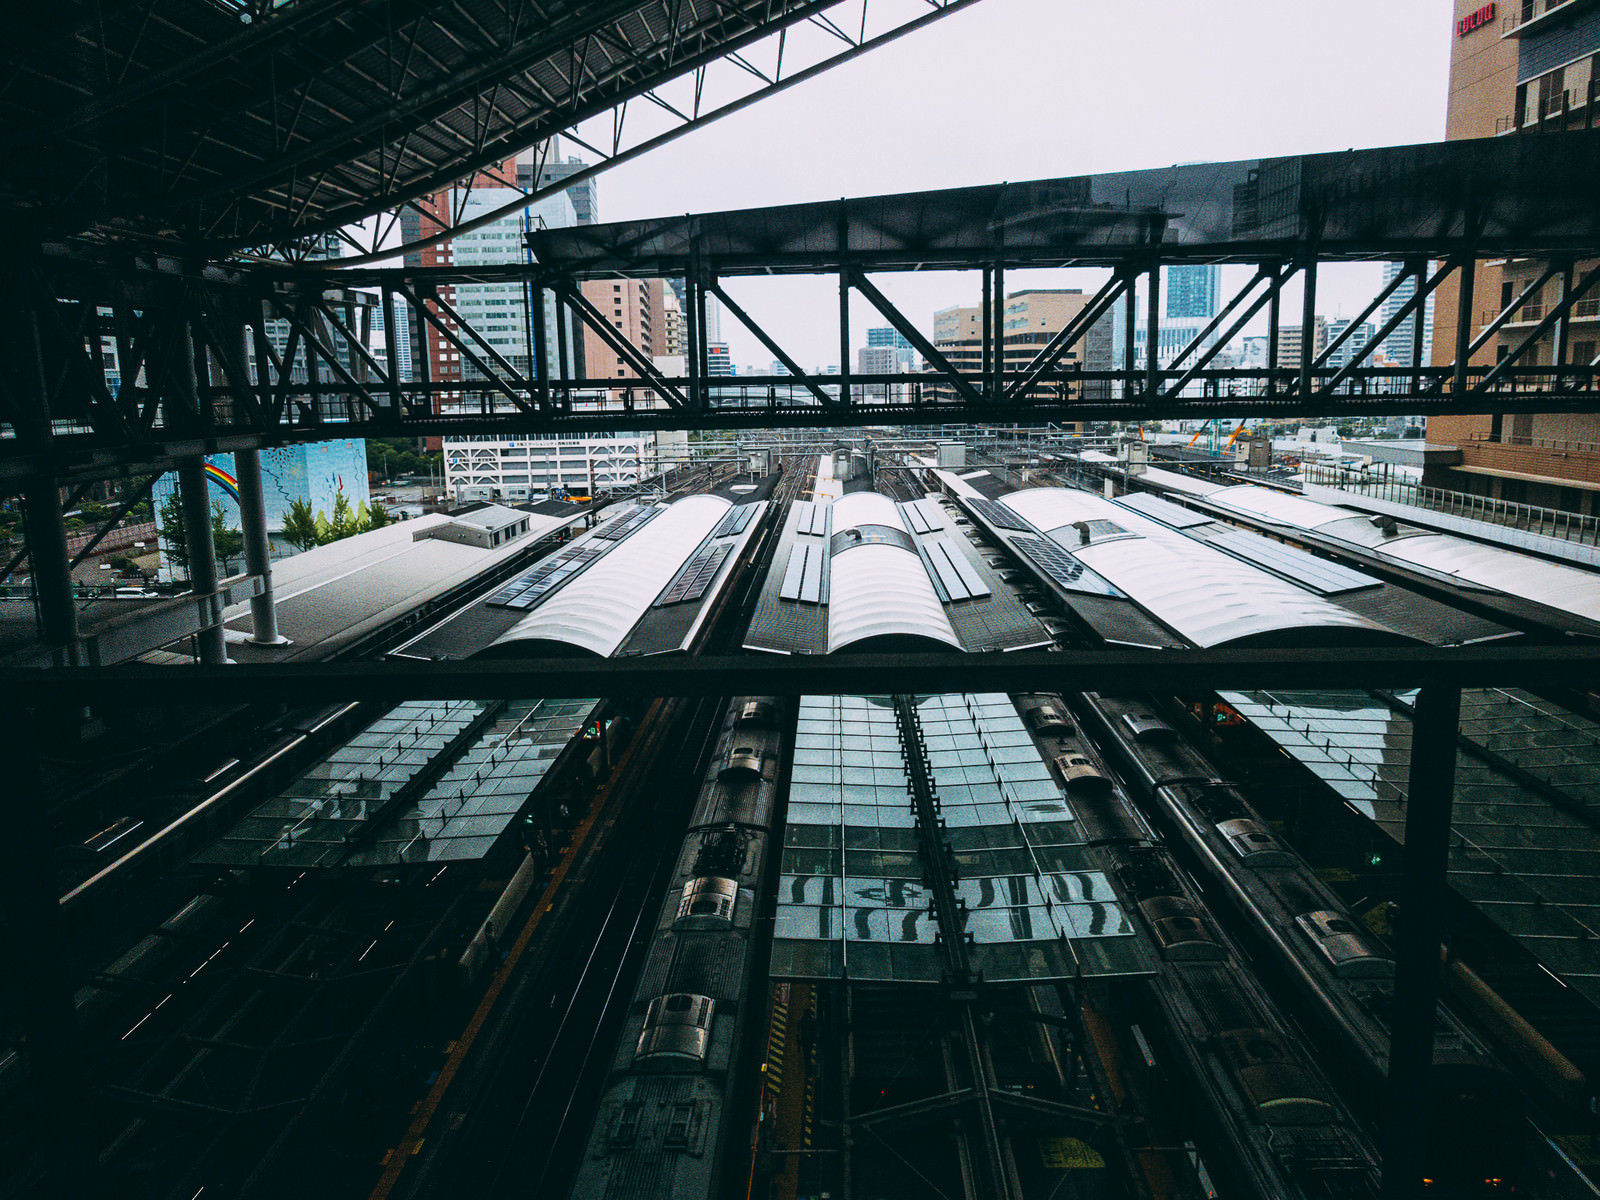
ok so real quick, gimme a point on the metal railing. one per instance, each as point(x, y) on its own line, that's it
point(1547, 522)
point(1559, 444)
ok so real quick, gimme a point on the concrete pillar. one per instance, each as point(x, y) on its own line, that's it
point(257, 549)
point(202, 554)
point(52, 568)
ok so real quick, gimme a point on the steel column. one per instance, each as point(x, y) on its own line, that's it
point(1152, 333)
point(700, 276)
point(1308, 319)
point(1466, 305)
point(1423, 913)
point(844, 334)
point(1275, 331)
point(996, 333)
point(563, 348)
point(202, 556)
point(1558, 344)
point(539, 354)
point(986, 306)
point(257, 548)
point(1419, 273)
point(51, 566)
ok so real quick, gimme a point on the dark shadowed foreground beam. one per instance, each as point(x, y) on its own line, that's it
point(876, 674)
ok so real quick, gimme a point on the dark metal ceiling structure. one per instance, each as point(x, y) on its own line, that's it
point(1497, 195)
point(221, 125)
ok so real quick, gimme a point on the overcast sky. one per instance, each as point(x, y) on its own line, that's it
point(1026, 89)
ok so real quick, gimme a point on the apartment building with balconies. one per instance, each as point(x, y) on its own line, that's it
point(1523, 69)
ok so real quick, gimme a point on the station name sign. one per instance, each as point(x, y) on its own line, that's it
point(1474, 20)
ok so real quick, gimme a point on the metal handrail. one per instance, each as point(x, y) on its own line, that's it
point(1546, 522)
point(1567, 447)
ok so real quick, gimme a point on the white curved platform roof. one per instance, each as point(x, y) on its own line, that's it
point(878, 590)
point(597, 610)
point(1568, 589)
point(1209, 597)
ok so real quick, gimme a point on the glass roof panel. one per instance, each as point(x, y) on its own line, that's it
point(352, 809)
point(1522, 848)
point(1026, 878)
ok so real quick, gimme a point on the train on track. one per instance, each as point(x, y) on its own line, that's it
point(1203, 1023)
point(665, 1124)
point(1342, 977)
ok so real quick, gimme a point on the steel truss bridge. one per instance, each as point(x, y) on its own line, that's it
point(200, 373)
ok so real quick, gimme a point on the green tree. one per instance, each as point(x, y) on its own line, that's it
point(378, 517)
point(300, 526)
point(227, 542)
point(174, 533)
point(343, 523)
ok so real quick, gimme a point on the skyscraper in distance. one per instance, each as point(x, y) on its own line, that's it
point(1193, 291)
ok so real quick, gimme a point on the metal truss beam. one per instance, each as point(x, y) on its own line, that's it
point(1116, 287)
point(767, 340)
point(184, 335)
point(853, 278)
point(1116, 671)
point(609, 106)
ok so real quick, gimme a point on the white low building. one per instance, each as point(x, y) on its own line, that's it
point(517, 468)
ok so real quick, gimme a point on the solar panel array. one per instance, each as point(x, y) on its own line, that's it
point(1317, 574)
point(1053, 561)
point(620, 527)
point(529, 589)
point(1164, 511)
point(696, 575)
point(997, 514)
point(955, 578)
point(925, 516)
point(813, 518)
point(802, 579)
point(736, 521)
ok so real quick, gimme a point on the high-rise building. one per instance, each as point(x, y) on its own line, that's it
point(402, 342)
point(1533, 71)
point(585, 196)
point(718, 360)
point(1193, 291)
point(888, 337)
point(629, 304)
point(1397, 347)
point(1353, 345)
point(878, 360)
point(499, 312)
point(1294, 343)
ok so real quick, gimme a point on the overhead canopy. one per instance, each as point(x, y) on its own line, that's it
point(242, 121)
point(1529, 195)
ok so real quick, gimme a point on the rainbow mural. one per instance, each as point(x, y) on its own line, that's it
point(223, 480)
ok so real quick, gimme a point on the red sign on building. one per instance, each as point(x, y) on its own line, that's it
point(1474, 20)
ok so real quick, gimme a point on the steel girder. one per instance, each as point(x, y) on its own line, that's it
point(262, 126)
point(225, 361)
point(1119, 671)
